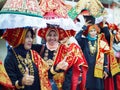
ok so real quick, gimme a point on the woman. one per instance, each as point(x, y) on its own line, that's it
point(94, 50)
point(19, 62)
point(61, 61)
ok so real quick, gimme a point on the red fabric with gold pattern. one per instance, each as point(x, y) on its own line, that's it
point(58, 7)
point(102, 49)
point(43, 71)
point(4, 78)
point(75, 58)
point(61, 33)
point(14, 37)
point(90, 27)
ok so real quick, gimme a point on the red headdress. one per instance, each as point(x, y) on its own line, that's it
point(61, 32)
point(90, 27)
point(15, 37)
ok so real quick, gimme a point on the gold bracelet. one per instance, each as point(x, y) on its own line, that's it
point(52, 71)
point(17, 86)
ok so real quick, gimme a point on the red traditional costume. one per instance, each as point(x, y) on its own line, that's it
point(73, 56)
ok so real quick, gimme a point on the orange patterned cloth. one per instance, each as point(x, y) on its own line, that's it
point(4, 78)
point(58, 7)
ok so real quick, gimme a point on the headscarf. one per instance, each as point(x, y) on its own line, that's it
point(60, 32)
point(16, 36)
point(90, 27)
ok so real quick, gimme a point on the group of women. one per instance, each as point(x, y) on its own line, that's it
point(57, 64)
point(53, 66)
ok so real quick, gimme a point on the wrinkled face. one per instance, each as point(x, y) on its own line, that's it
point(28, 41)
point(52, 37)
point(93, 33)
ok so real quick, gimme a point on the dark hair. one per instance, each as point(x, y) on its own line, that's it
point(52, 26)
point(32, 32)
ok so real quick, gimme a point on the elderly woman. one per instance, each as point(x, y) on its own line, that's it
point(19, 62)
point(63, 63)
point(94, 49)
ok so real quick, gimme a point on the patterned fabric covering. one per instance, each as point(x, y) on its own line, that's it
point(61, 33)
point(93, 6)
point(21, 13)
point(17, 34)
point(56, 12)
point(4, 79)
point(74, 58)
point(21, 7)
point(57, 6)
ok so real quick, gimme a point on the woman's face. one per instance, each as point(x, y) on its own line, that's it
point(52, 37)
point(28, 41)
point(93, 33)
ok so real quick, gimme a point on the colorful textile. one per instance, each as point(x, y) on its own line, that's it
point(61, 33)
point(74, 58)
point(43, 71)
point(58, 7)
point(21, 13)
point(102, 48)
point(4, 78)
point(15, 37)
point(95, 8)
point(29, 7)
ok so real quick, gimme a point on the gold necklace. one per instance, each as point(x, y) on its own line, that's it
point(24, 62)
point(92, 47)
point(49, 61)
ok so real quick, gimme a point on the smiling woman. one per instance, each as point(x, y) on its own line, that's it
point(19, 60)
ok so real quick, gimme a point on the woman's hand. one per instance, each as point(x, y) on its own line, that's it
point(63, 65)
point(27, 79)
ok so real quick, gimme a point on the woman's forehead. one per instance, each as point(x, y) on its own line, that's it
point(52, 30)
